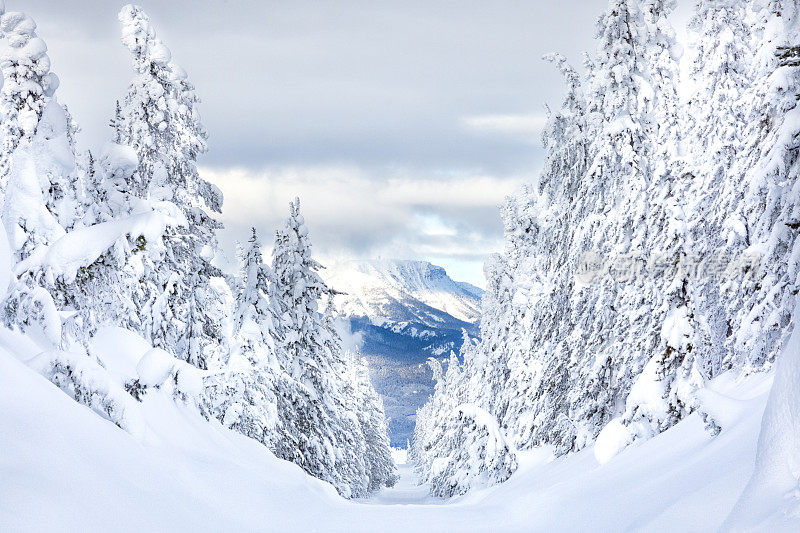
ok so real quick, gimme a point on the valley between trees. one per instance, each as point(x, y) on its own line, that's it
point(638, 365)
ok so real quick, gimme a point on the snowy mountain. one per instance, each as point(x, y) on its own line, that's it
point(402, 290)
point(405, 311)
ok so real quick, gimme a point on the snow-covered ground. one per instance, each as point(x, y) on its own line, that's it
point(405, 492)
point(63, 467)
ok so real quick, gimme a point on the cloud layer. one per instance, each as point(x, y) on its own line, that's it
point(400, 124)
point(452, 220)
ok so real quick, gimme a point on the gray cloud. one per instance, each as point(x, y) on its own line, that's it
point(369, 82)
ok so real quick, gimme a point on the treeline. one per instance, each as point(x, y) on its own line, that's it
point(128, 238)
point(657, 250)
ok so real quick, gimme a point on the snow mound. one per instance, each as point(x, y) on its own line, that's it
point(121, 350)
point(118, 161)
point(155, 367)
point(613, 438)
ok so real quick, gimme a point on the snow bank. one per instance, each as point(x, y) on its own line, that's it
point(771, 500)
point(55, 452)
point(121, 350)
point(157, 367)
point(88, 383)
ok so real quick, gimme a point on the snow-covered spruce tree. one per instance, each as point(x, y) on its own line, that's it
point(353, 466)
point(314, 390)
point(38, 176)
point(715, 121)
point(613, 201)
point(424, 424)
point(105, 290)
point(539, 367)
point(488, 370)
point(242, 394)
point(480, 456)
point(380, 467)
point(97, 289)
point(28, 83)
point(664, 334)
point(759, 293)
point(256, 319)
point(430, 443)
point(458, 445)
point(179, 304)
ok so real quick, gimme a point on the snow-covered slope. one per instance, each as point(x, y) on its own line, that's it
point(399, 290)
point(404, 311)
point(63, 467)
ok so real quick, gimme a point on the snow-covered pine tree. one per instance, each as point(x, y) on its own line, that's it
point(759, 296)
point(430, 440)
point(480, 455)
point(458, 445)
point(179, 303)
point(39, 183)
point(661, 318)
point(488, 368)
point(255, 319)
point(715, 121)
point(242, 395)
point(612, 199)
point(325, 430)
point(28, 84)
point(424, 424)
point(380, 467)
point(540, 367)
point(353, 466)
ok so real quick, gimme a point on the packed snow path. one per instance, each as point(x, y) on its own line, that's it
point(406, 491)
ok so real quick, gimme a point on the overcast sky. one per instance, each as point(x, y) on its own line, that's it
point(401, 125)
